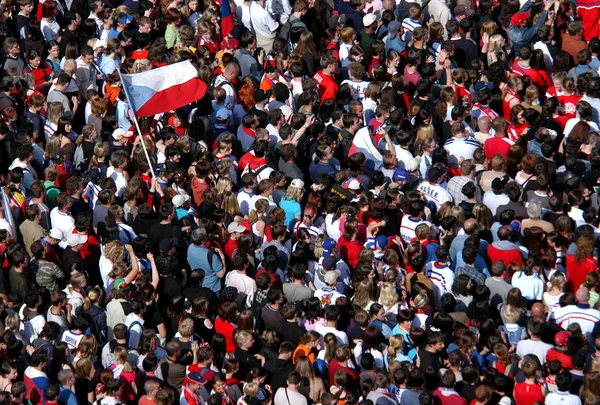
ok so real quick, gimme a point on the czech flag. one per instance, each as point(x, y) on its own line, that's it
point(163, 89)
point(363, 142)
point(226, 18)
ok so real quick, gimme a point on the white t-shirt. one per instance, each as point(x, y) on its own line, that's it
point(120, 180)
point(408, 226)
point(285, 396)
point(536, 347)
point(64, 222)
point(327, 296)
point(72, 339)
point(434, 193)
point(358, 87)
point(377, 355)
point(493, 201)
point(342, 338)
point(562, 398)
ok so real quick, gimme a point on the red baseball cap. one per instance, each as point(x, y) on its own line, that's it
point(518, 18)
point(561, 338)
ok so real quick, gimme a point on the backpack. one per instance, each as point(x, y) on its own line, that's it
point(286, 29)
point(134, 323)
point(78, 158)
point(513, 336)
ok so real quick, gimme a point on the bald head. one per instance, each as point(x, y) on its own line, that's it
point(471, 226)
point(231, 70)
point(583, 295)
point(537, 310)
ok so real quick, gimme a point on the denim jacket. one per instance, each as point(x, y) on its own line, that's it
point(521, 36)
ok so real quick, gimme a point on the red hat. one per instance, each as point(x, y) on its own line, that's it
point(518, 18)
point(230, 43)
point(561, 338)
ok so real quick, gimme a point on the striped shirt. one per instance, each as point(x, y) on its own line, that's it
point(461, 147)
point(409, 26)
point(582, 314)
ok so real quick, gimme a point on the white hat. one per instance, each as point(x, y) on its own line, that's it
point(120, 133)
point(369, 19)
point(413, 164)
point(100, 43)
point(180, 199)
point(56, 234)
point(297, 183)
point(76, 239)
point(235, 227)
point(223, 114)
point(331, 277)
point(354, 185)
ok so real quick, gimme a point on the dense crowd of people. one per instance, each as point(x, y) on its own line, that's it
point(376, 202)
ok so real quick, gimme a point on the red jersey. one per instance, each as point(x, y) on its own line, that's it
point(538, 77)
point(566, 360)
point(140, 54)
point(350, 250)
point(527, 394)
point(230, 247)
point(210, 43)
point(515, 131)
point(510, 96)
point(496, 145)
point(576, 272)
point(570, 104)
point(461, 93)
point(249, 159)
point(327, 86)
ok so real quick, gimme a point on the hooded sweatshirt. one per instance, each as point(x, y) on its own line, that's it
point(505, 251)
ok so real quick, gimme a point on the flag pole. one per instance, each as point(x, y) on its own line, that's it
point(137, 126)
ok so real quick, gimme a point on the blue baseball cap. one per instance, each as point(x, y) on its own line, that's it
point(328, 246)
point(400, 174)
point(381, 242)
point(126, 19)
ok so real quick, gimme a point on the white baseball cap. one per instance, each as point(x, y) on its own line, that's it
point(56, 234)
point(76, 239)
point(297, 183)
point(235, 227)
point(120, 133)
point(369, 19)
point(180, 199)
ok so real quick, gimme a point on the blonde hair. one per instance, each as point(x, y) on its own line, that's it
point(54, 112)
point(52, 145)
point(557, 279)
point(100, 151)
point(388, 295)
point(230, 204)
point(13, 322)
point(318, 251)
point(511, 314)
point(294, 193)
point(495, 41)
point(222, 184)
point(425, 131)
point(186, 327)
point(93, 297)
point(121, 358)
point(141, 65)
point(395, 347)
point(251, 389)
point(260, 207)
point(114, 251)
point(242, 337)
